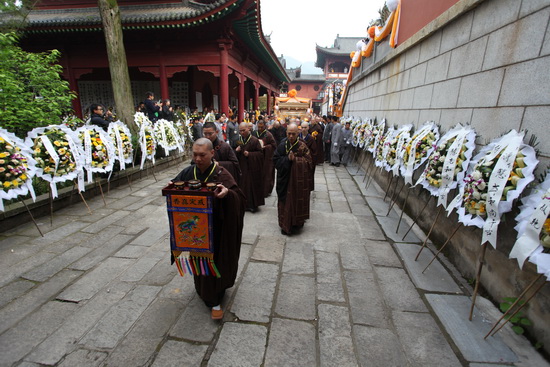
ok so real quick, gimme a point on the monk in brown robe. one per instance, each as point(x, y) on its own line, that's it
point(316, 131)
point(306, 137)
point(228, 211)
point(223, 153)
point(293, 163)
point(251, 160)
point(269, 145)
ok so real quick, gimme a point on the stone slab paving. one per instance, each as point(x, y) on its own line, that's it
point(468, 335)
point(99, 290)
point(435, 278)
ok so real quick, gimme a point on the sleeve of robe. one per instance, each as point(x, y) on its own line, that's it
point(255, 157)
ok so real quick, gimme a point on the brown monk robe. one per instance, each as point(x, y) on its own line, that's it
point(223, 153)
point(316, 131)
point(251, 159)
point(228, 211)
point(293, 163)
point(269, 146)
point(310, 142)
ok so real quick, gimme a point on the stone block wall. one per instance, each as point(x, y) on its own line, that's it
point(485, 63)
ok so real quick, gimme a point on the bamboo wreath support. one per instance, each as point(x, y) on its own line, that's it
point(32, 217)
point(388, 188)
point(418, 216)
point(514, 305)
point(403, 209)
point(369, 168)
point(361, 164)
point(478, 278)
point(101, 190)
point(440, 249)
point(395, 196)
point(430, 232)
point(520, 307)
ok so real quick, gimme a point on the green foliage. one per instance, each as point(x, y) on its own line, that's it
point(518, 319)
point(32, 92)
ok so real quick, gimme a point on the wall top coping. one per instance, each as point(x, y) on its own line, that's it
point(441, 21)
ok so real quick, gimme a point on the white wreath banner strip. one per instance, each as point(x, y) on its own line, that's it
point(534, 211)
point(71, 137)
point(30, 170)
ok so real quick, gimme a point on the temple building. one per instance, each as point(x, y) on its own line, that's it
point(199, 54)
point(335, 62)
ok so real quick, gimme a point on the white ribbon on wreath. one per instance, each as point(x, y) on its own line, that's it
point(383, 147)
point(73, 147)
point(410, 164)
point(451, 173)
point(28, 166)
point(404, 136)
point(534, 212)
point(114, 130)
point(84, 133)
point(377, 133)
point(506, 148)
point(147, 129)
point(162, 129)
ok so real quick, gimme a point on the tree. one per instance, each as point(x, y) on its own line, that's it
point(118, 66)
point(32, 92)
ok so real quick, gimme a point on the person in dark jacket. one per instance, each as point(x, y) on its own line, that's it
point(153, 108)
point(98, 117)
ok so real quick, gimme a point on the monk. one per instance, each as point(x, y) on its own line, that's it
point(223, 154)
point(293, 163)
point(228, 211)
point(268, 145)
point(251, 160)
point(306, 137)
point(316, 131)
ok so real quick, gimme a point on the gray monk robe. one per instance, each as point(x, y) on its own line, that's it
point(251, 171)
point(269, 169)
point(292, 184)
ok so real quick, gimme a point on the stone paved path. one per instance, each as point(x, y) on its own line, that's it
point(98, 290)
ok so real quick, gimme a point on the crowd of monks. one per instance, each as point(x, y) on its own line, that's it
point(252, 152)
point(247, 161)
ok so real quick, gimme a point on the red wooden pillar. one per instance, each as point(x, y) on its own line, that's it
point(256, 95)
point(268, 100)
point(242, 81)
point(224, 77)
point(164, 90)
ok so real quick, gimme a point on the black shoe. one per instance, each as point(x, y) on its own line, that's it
point(284, 232)
point(337, 164)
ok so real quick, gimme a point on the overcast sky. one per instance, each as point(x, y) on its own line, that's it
point(296, 26)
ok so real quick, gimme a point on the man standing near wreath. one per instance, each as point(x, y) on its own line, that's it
point(293, 163)
point(228, 212)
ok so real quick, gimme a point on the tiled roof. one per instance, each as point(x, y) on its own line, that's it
point(178, 14)
point(343, 46)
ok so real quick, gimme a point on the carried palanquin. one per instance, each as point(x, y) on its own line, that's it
point(190, 214)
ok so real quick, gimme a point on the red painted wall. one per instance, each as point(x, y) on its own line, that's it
point(307, 90)
point(415, 14)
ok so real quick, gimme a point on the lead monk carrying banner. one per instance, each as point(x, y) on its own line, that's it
point(228, 212)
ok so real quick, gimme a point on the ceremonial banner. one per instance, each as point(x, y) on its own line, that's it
point(190, 214)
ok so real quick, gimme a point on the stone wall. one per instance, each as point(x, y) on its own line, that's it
point(485, 63)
